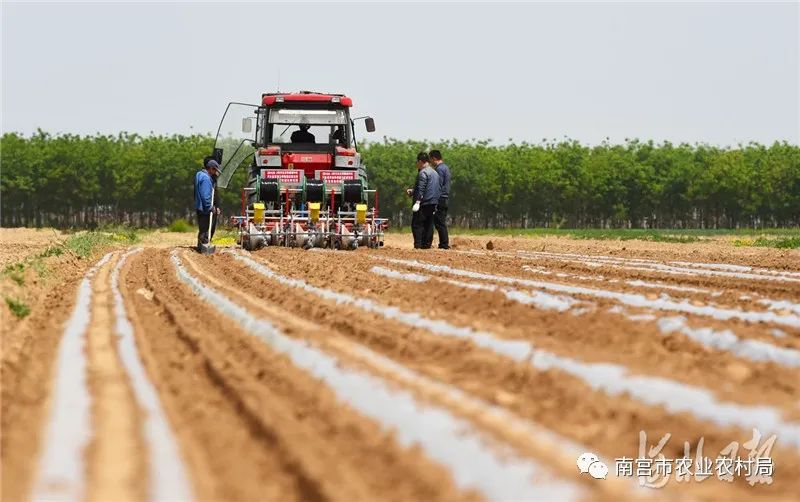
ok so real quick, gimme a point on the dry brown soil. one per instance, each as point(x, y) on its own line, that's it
point(250, 425)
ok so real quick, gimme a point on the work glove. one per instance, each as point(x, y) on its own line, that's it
point(415, 207)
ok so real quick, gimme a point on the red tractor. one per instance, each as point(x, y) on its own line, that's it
point(306, 184)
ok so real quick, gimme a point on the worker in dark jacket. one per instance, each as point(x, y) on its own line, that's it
point(425, 195)
point(204, 180)
point(440, 217)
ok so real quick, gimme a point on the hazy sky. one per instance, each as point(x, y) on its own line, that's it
point(716, 72)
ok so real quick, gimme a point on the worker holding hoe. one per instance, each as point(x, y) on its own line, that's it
point(425, 194)
point(204, 182)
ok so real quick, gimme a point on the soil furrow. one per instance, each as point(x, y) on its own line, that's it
point(740, 271)
point(741, 295)
point(555, 452)
point(780, 331)
point(369, 375)
point(771, 327)
point(588, 267)
point(446, 439)
point(233, 456)
point(63, 468)
point(603, 422)
point(663, 303)
point(711, 251)
point(28, 368)
point(594, 337)
point(116, 455)
point(758, 347)
point(313, 444)
point(166, 472)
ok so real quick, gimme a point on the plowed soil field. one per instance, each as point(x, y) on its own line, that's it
point(398, 374)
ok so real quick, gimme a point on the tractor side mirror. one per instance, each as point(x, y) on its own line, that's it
point(370, 123)
point(217, 155)
point(247, 125)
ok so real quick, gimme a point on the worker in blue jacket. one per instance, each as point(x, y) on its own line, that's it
point(204, 180)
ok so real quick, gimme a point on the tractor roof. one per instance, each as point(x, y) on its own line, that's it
point(268, 99)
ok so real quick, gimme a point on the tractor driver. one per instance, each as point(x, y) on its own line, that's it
point(302, 135)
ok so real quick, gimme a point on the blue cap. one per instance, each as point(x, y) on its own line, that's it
point(213, 163)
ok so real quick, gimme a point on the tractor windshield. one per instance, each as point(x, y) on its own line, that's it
point(308, 127)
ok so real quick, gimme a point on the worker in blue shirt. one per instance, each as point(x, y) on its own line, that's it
point(425, 195)
point(440, 216)
point(204, 180)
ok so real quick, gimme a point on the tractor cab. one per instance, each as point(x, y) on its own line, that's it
point(307, 131)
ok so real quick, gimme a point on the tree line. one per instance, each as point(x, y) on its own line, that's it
point(68, 180)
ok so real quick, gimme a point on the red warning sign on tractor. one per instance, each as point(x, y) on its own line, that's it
point(285, 176)
point(335, 176)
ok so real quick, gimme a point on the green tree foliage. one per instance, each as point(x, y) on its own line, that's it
point(633, 185)
point(83, 181)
